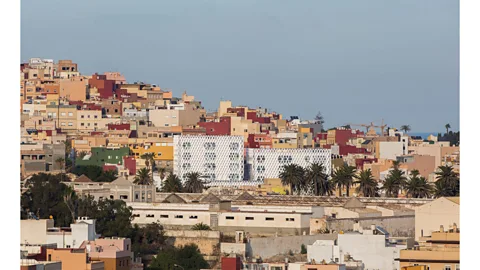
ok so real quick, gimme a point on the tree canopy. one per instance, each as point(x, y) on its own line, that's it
point(187, 257)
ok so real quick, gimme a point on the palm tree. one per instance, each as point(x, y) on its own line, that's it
point(193, 184)
point(343, 177)
point(405, 128)
point(417, 186)
point(366, 184)
point(162, 171)
point(172, 184)
point(292, 175)
point(61, 163)
point(315, 174)
point(449, 180)
point(149, 161)
point(142, 177)
point(447, 127)
point(394, 182)
point(201, 227)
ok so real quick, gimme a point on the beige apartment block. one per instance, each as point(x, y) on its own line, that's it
point(173, 117)
point(440, 251)
point(240, 126)
point(88, 120)
point(429, 217)
point(74, 88)
point(439, 150)
point(64, 116)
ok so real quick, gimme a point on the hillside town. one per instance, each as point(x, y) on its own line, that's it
point(124, 175)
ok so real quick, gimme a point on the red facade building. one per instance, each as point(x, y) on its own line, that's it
point(217, 128)
point(105, 87)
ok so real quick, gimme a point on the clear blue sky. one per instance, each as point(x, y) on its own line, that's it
point(355, 61)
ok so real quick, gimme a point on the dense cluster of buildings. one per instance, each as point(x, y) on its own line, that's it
point(69, 119)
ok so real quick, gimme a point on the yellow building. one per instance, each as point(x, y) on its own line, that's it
point(273, 185)
point(163, 151)
point(305, 138)
point(441, 251)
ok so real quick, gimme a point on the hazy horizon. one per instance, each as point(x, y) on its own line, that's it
point(355, 61)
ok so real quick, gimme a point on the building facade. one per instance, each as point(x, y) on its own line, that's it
point(218, 158)
point(268, 163)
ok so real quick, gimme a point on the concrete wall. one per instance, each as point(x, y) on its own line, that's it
point(233, 248)
point(403, 226)
point(271, 246)
point(207, 241)
point(390, 150)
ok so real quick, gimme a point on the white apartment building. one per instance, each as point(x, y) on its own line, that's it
point(219, 159)
point(372, 247)
point(268, 163)
point(35, 233)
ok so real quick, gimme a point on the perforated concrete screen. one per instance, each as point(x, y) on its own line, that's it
point(219, 159)
point(267, 163)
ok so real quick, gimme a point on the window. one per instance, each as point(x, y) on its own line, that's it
point(49, 257)
point(178, 216)
point(269, 219)
point(193, 217)
point(163, 216)
point(70, 114)
point(96, 116)
point(63, 124)
point(229, 217)
point(447, 267)
point(123, 197)
point(128, 246)
point(82, 116)
point(62, 114)
point(457, 266)
point(248, 218)
point(70, 124)
point(82, 124)
point(68, 246)
point(88, 116)
point(150, 216)
point(289, 219)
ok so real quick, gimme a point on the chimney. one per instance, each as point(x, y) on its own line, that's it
point(441, 229)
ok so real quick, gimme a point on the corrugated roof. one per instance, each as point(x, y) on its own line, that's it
point(82, 179)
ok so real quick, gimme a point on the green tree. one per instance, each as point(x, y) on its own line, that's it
point(303, 249)
point(316, 176)
point(201, 227)
point(172, 184)
point(193, 184)
point(405, 128)
point(113, 218)
point(449, 181)
point(292, 175)
point(417, 186)
point(343, 177)
point(367, 185)
point(91, 171)
point(188, 257)
point(45, 197)
point(162, 172)
point(147, 240)
point(107, 176)
point(142, 177)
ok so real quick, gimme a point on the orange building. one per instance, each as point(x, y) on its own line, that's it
point(73, 259)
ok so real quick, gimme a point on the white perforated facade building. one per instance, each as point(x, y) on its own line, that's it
point(268, 163)
point(219, 159)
